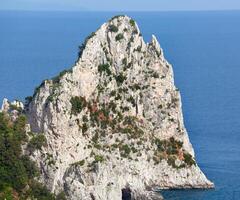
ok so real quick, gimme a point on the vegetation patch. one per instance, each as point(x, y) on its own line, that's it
point(37, 142)
point(57, 78)
point(28, 100)
point(14, 107)
point(84, 128)
point(37, 89)
point(17, 171)
point(132, 22)
point(95, 138)
point(113, 28)
point(119, 37)
point(82, 47)
point(124, 61)
point(155, 75)
point(132, 101)
point(139, 48)
point(79, 163)
point(125, 150)
point(113, 93)
point(104, 68)
point(98, 158)
point(78, 103)
point(188, 159)
point(117, 16)
point(171, 150)
point(120, 78)
point(49, 159)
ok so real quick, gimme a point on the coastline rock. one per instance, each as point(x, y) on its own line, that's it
point(12, 108)
point(5, 105)
point(114, 121)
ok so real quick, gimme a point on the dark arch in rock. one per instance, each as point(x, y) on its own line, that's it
point(126, 194)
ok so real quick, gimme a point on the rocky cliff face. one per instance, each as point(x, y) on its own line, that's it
point(113, 123)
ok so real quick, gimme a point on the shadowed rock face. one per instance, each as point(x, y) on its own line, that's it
point(114, 122)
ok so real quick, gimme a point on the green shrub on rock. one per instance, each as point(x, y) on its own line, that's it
point(84, 128)
point(40, 192)
point(120, 78)
point(82, 47)
point(104, 68)
point(171, 161)
point(125, 150)
point(132, 22)
point(171, 150)
point(124, 61)
point(80, 163)
point(188, 159)
point(78, 103)
point(37, 142)
point(18, 171)
point(99, 158)
point(113, 28)
point(155, 75)
point(119, 37)
point(61, 196)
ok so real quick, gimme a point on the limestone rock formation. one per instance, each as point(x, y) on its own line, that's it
point(13, 108)
point(113, 122)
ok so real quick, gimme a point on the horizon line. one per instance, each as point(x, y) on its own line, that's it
point(86, 10)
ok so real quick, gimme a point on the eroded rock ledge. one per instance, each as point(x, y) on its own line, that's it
point(113, 122)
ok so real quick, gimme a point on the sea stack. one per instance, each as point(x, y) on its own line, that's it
point(113, 122)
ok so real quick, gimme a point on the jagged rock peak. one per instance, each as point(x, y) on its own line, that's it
point(114, 122)
point(120, 27)
point(119, 36)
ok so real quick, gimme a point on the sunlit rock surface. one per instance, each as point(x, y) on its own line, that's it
point(113, 122)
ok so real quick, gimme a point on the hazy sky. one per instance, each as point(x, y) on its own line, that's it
point(122, 5)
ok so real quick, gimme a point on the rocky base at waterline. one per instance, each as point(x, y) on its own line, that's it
point(113, 122)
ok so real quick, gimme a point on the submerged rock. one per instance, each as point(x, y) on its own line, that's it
point(113, 122)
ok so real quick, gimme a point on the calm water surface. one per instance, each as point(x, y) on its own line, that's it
point(203, 47)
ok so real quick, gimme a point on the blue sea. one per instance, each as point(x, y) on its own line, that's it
point(204, 48)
